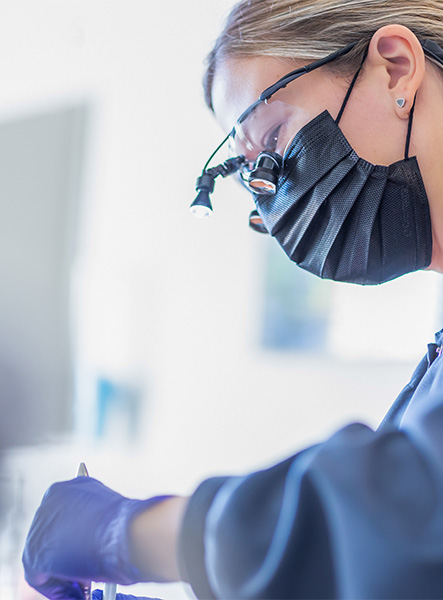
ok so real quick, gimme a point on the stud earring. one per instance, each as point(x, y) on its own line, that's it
point(401, 102)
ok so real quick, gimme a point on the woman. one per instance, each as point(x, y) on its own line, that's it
point(352, 151)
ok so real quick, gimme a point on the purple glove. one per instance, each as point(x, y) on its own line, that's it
point(79, 534)
point(98, 595)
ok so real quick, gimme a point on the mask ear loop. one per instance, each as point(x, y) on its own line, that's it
point(408, 135)
point(348, 93)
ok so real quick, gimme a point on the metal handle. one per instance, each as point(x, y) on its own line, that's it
point(82, 471)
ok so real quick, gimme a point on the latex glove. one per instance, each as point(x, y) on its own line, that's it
point(79, 534)
point(98, 595)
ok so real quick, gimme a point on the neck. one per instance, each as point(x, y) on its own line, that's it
point(426, 144)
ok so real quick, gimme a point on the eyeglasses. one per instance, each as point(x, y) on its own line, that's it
point(257, 141)
point(261, 135)
point(269, 125)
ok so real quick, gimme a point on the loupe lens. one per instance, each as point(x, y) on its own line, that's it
point(256, 222)
point(260, 185)
point(266, 131)
point(264, 177)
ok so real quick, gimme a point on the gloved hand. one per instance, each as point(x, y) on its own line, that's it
point(98, 595)
point(79, 534)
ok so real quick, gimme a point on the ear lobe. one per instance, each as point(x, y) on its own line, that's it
point(397, 50)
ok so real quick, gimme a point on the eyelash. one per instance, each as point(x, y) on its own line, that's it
point(273, 138)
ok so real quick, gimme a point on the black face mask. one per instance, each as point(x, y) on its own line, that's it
point(343, 218)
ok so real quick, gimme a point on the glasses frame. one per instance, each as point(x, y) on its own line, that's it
point(278, 85)
point(431, 49)
point(288, 78)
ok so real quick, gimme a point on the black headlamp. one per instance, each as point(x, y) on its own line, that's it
point(263, 179)
point(202, 207)
point(265, 173)
point(264, 176)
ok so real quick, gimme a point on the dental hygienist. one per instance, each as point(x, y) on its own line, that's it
point(334, 110)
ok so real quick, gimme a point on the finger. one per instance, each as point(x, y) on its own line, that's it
point(57, 589)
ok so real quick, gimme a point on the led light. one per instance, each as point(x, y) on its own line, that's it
point(200, 211)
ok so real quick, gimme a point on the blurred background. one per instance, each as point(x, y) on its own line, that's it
point(155, 347)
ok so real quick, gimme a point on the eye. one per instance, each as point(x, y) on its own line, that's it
point(271, 140)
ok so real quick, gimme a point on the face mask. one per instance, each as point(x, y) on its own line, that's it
point(335, 214)
point(343, 218)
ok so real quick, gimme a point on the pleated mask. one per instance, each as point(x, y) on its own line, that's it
point(335, 214)
point(343, 218)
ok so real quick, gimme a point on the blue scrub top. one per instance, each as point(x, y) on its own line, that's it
point(357, 516)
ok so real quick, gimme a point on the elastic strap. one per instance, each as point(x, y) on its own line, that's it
point(345, 101)
point(408, 135)
point(348, 93)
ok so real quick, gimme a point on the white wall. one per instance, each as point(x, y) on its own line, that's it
point(161, 298)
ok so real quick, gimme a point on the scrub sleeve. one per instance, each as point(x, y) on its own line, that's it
point(358, 516)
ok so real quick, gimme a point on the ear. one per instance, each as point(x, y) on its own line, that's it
point(400, 59)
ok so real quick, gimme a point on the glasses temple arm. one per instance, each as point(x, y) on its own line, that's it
point(283, 82)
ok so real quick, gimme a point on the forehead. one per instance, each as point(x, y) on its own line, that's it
point(239, 82)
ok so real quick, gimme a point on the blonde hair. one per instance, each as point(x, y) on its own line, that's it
point(311, 29)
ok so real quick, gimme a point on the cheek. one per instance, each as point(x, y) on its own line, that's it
point(326, 97)
point(372, 125)
point(322, 95)
point(375, 136)
point(296, 121)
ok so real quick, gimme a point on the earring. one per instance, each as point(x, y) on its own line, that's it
point(401, 102)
